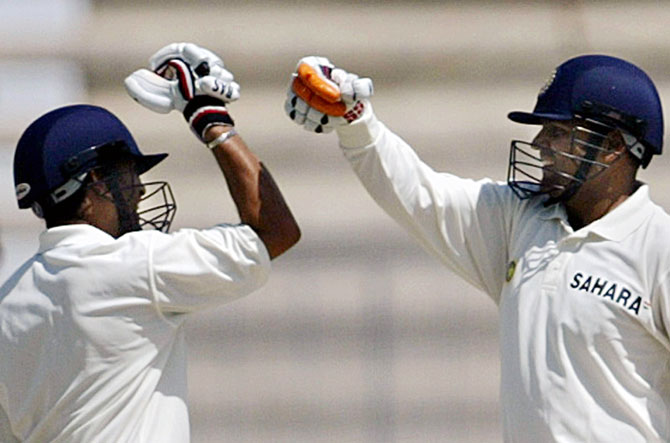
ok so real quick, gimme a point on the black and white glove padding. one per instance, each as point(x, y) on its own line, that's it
point(189, 79)
point(322, 97)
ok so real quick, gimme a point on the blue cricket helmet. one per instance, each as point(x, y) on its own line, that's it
point(606, 89)
point(64, 144)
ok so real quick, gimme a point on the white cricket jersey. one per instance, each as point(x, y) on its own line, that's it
point(91, 330)
point(584, 315)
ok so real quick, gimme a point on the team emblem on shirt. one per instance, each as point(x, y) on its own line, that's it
point(511, 267)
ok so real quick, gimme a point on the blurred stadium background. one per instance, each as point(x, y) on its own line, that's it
point(359, 336)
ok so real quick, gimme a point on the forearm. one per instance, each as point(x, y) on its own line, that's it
point(259, 201)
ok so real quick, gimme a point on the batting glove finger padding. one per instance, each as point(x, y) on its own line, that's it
point(206, 71)
point(200, 59)
point(225, 90)
point(308, 117)
point(321, 97)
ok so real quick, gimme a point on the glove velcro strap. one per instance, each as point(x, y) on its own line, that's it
point(204, 111)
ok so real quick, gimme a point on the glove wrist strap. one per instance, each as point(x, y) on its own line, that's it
point(203, 111)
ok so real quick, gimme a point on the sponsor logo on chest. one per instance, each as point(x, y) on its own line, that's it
point(607, 289)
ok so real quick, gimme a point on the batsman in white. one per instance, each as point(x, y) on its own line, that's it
point(571, 249)
point(92, 326)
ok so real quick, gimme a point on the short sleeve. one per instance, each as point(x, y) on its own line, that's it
point(193, 269)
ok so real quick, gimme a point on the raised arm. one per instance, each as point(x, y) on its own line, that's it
point(194, 81)
point(462, 222)
point(256, 195)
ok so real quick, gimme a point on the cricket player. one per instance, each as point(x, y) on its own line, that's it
point(92, 326)
point(571, 248)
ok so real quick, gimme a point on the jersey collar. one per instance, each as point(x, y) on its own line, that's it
point(615, 225)
point(69, 235)
point(625, 218)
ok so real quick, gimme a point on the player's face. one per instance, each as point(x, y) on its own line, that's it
point(122, 195)
point(560, 156)
point(564, 156)
point(130, 184)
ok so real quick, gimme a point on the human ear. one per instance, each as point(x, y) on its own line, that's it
point(613, 146)
point(86, 207)
point(97, 183)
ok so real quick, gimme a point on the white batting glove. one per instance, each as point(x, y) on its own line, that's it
point(206, 68)
point(189, 79)
point(322, 97)
point(155, 92)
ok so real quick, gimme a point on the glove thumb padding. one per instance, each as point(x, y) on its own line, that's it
point(151, 91)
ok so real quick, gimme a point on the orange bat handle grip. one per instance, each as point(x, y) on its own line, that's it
point(316, 101)
point(322, 88)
